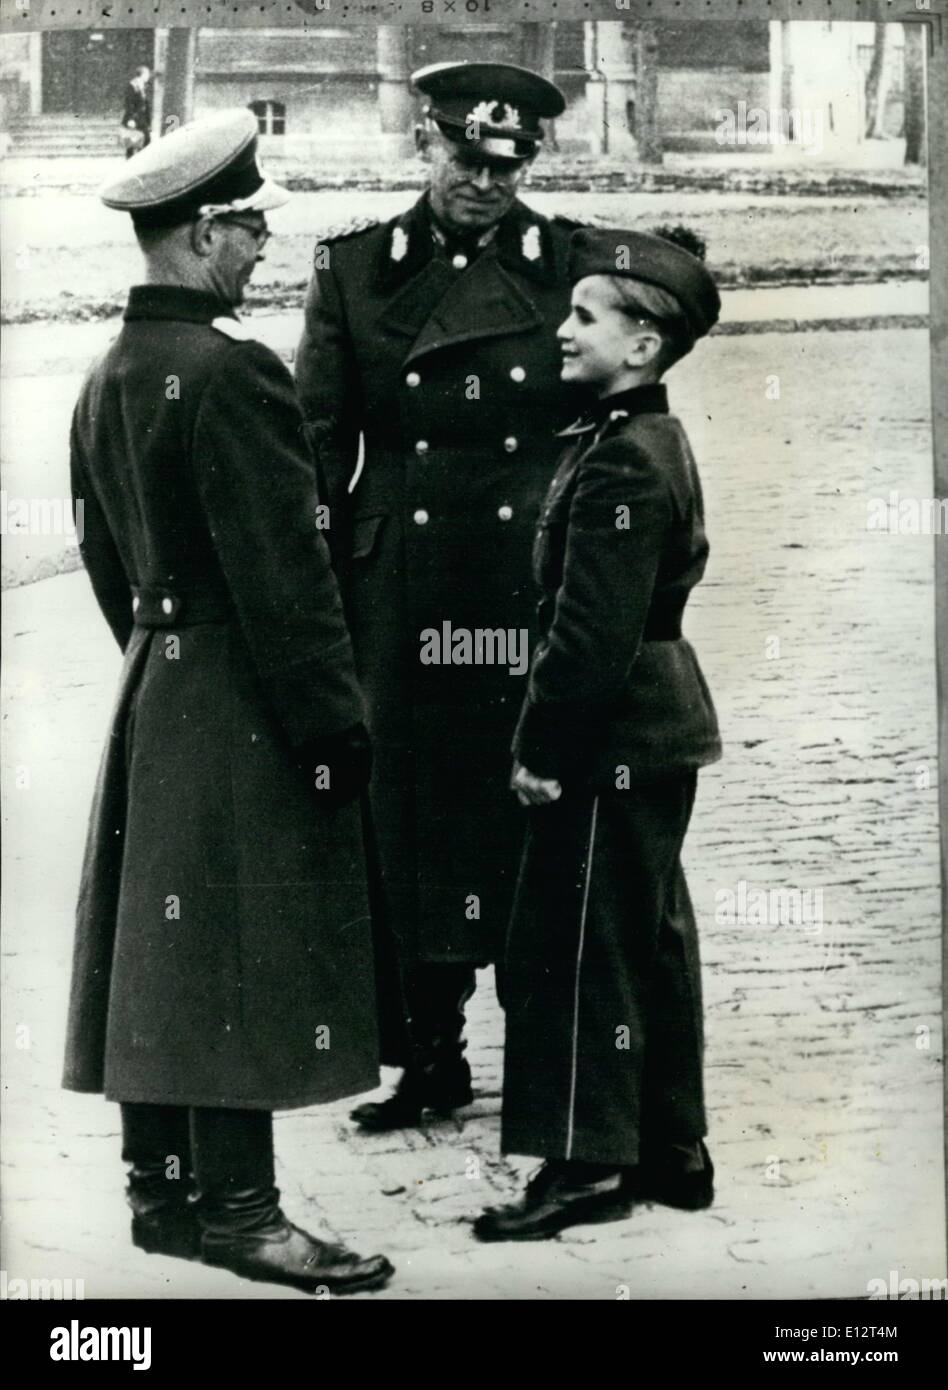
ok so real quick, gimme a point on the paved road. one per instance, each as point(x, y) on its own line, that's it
point(824, 1058)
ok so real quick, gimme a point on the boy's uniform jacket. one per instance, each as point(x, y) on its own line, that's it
point(603, 1050)
point(619, 546)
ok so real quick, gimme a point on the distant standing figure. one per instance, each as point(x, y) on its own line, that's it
point(136, 117)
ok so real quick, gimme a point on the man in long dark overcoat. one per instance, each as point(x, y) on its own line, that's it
point(223, 962)
point(136, 112)
point(432, 336)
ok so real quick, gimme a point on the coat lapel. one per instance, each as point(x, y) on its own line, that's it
point(484, 302)
point(410, 308)
point(429, 303)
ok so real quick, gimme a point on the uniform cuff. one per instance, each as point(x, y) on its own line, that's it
point(558, 741)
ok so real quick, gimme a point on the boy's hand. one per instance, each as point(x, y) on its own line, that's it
point(533, 791)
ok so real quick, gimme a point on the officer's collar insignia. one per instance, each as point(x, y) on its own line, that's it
point(485, 113)
point(530, 244)
point(524, 244)
point(399, 248)
point(615, 415)
point(521, 241)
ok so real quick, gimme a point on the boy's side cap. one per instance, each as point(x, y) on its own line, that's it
point(644, 256)
point(207, 164)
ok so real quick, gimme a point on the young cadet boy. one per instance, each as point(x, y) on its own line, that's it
point(603, 1062)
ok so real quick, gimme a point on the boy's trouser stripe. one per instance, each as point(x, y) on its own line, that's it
point(579, 963)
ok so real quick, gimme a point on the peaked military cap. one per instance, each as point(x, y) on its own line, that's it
point(207, 167)
point(501, 103)
point(654, 259)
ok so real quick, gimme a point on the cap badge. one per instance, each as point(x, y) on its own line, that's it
point(484, 113)
point(399, 248)
point(530, 244)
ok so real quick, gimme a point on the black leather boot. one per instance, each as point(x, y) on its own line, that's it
point(156, 1142)
point(246, 1232)
point(437, 1076)
point(243, 1227)
point(440, 1083)
point(559, 1195)
point(163, 1222)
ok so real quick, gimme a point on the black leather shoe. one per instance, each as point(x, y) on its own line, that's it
point(670, 1185)
point(174, 1231)
point(442, 1088)
point(287, 1255)
point(555, 1199)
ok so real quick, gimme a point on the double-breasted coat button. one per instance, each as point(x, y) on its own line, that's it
point(459, 262)
point(511, 444)
point(421, 447)
point(166, 605)
point(413, 379)
point(505, 512)
point(517, 374)
point(421, 517)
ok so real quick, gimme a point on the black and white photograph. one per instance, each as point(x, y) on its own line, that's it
point(475, 653)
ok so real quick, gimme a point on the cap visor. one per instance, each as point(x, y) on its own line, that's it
point(268, 195)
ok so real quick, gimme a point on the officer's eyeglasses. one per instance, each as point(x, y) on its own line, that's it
point(503, 174)
point(260, 234)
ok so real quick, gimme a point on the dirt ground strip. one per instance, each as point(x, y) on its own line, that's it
point(64, 257)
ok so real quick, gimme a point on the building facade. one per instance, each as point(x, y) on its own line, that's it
point(342, 92)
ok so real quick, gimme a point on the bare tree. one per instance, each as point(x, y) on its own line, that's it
point(645, 117)
point(878, 82)
point(914, 128)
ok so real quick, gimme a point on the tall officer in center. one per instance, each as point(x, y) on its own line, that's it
point(433, 337)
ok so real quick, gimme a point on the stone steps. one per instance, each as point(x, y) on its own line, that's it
point(52, 137)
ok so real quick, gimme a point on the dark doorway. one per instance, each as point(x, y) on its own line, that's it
point(85, 70)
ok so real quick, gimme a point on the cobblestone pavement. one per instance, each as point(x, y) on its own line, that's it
point(824, 1051)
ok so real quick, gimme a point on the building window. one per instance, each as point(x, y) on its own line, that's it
point(271, 117)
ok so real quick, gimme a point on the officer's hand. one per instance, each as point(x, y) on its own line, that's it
point(338, 768)
point(534, 791)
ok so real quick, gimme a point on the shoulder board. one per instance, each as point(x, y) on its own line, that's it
point(348, 229)
point(570, 224)
point(232, 328)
